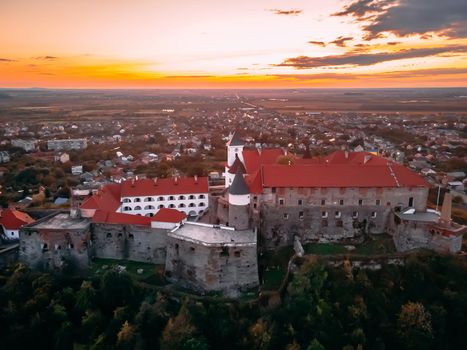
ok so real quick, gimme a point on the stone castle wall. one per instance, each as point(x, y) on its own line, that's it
point(129, 242)
point(52, 249)
point(211, 268)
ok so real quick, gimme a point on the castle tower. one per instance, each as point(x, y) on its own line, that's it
point(239, 203)
point(234, 150)
point(237, 166)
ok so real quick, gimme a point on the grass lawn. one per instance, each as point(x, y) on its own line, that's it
point(272, 278)
point(374, 245)
point(152, 274)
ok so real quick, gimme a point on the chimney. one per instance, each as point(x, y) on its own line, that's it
point(176, 180)
point(196, 179)
point(346, 154)
point(446, 209)
point(155, 181)
point(132, 182)
point(367, 158)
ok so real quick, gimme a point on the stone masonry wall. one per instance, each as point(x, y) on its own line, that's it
point(130, 242)
point(51, 249)
point(211, 268)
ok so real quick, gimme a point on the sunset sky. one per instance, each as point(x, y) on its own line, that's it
point(233, 43)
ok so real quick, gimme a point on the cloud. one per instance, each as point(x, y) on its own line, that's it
point(46, 58)
point(340, 41)
point(392, 43)
point(355, 58)
point(7, 60)
point(318, 43)
point(291, 12)
point(409, 17)
point(417, 73)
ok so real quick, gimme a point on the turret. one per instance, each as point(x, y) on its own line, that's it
point(237, 166)
point(239, 203)
point(234, 151)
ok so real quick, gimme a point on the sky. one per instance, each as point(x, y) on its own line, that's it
point(233, 43)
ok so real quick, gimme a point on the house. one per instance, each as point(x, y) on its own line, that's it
point(12, 220)
point(62, 157)
point(77, 169)
point(4, 157)
point(27, 145)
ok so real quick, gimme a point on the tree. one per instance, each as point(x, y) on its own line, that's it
point(126, 337)
point(414, 326)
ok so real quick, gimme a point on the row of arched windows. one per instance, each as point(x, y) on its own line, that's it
point(151, 207)
point(160, 199)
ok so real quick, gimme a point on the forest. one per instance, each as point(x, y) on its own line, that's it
point(420, 305)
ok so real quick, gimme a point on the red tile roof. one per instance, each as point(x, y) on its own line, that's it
point(13, 219)
point(107, 198)
point(108, 217)
point(340, 175)
point(168, 186)
point(253, 159)
point(169, 215)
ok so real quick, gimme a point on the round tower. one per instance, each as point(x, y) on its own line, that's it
point(239, 203)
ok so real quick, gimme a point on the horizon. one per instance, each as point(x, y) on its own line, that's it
point(339, 44)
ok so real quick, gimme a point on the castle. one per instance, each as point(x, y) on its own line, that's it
point(208, 238)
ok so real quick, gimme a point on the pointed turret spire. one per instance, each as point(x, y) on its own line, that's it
point(239, 186)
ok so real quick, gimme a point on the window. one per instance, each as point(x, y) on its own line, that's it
point(301, 215)
point(191, 205)
point(149, 199)
point(149, 215)
point(126, 208)
point(255, 198)
point(281, 201)
point(373, 214)
point(192, 249)
point(237, 254)
point(131, 236)
point(337, 214)
point(171, 198)
point(201, 196)
point(160, 206)
point(181, 205)
point(109, 235)
point(300, 202)
point(324, 214)
point(341, 202)
point(323, 201)
point(324, 223)
point(137, 200)
point(285, 216)
point(201, 204)
point(355, 214)
point(378, 202)
point(172, 206)
point(339, 223)
point(191, 196)
point(181, 198)
point(138, 207)
point(411, 202)
point(149, 207)
point(126, 200)
point(160, 198)
point(255, 206)
point(273, 189)
point(360, 202)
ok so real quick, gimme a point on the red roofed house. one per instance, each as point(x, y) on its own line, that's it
point(145, 197)
point(12, 220)
point(340, 197)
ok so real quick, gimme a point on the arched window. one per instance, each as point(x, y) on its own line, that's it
point(171, 198)
point(201, 196)
point(191, 205)
point(201, 204)
point(149, 215)
point(160, 199)
point(137, 200)
point(149, 207)
point(171, 205)
point(191, 196)
point(160, 206)
point(126, 200)
point(181, 197)
point(149, 199)
point(126, 208)
point(181, 205)
point(137, 207)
